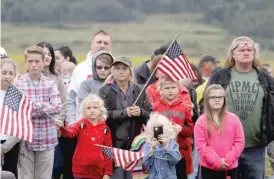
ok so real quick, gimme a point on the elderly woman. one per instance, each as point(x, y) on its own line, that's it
point(124, 118)
point(249, 93)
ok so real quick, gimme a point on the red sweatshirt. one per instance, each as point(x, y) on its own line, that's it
point(178, 113)
point(88, 160)
point(154, 93)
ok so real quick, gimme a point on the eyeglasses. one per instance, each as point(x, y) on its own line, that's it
point(249, 45)
point(215, 98)
point(102, 67)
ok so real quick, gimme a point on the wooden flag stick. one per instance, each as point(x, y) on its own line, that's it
point(102, 146)
point(152, 73)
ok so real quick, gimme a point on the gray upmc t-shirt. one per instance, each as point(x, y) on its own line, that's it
point(245, 99)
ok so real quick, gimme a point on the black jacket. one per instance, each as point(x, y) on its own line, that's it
point(123, 128)
point(142, 73)
point(222, 76)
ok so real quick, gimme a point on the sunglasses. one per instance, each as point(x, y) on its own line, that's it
point(215, 98)
point(249, 45)
point(102, 67)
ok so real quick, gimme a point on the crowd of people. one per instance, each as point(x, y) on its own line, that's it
point(218, 126)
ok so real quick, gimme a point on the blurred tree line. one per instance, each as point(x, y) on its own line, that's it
point(240, 17)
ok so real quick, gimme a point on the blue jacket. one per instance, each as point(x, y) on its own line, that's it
point(161, 162)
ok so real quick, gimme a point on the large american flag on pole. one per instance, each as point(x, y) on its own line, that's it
point(16, 115)
point(175, 64)
point(123, 158)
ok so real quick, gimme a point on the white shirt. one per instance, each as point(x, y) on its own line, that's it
point(2, 96)
point(81, 72)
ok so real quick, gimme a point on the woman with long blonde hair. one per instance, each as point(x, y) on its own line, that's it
point(218, 136)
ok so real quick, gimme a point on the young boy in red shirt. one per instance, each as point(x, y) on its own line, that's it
point(171, 105)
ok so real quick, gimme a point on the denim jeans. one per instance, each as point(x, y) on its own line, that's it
point(252, 163)
point(119, 173)
point(270, 152)
point(195, 164)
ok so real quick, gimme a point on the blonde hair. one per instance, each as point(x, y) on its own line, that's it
point(155, 120)
point(9, 61)
point(230, 61)
point(94, 98)
point(132, 76)
point(68, 66)
point(208, 111)
point(164, 79)
point(34, 50)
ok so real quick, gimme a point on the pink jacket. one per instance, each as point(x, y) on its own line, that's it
point(227, 143)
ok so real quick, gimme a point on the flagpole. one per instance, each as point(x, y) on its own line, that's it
point(101, 146)
point(152, 73)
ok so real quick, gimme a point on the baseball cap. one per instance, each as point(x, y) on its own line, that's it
point(161, 50)
point(124, 60)
point(208, 58)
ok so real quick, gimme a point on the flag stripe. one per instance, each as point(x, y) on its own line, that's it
point(173, 67)
point(192, 73)
point(16, 115)
point(178, 66)
point(29, 126)
point(123, 158)
point(167, 72)
point(175, 64)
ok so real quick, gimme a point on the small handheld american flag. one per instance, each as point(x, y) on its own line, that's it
point(175, 64)
point(123, 158)
point(16, 115)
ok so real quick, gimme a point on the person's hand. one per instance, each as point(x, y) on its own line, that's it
point(135, 111)
point(154, 143)
point(2, 153)
point(224, 165)
point(177, 128)
point(129, 111)
point(106, 177)
point(163, 139)
point(58, 123)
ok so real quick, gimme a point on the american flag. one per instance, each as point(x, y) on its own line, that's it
point(123, 158)
point(175, 65)
point(16, 115)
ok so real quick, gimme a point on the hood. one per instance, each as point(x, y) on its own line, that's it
point(174, 103)
point(94, 58)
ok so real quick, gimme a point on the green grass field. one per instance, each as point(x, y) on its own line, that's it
point(133, 38)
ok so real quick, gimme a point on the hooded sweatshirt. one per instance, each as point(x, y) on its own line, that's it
point(81, 72)
point(92, 85)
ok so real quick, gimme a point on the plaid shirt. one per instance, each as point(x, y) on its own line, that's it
point(43, 91)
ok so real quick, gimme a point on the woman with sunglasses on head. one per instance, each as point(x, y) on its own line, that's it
point(249, 94)
point(101, 67)
point(218, 136)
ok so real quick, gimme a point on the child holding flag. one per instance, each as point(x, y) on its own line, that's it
point(172, 106)
point(89, 161)
point(9, 147)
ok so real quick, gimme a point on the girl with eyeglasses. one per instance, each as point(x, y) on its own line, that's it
point(218, 136)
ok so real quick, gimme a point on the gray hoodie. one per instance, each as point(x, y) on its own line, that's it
point(92, 85)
